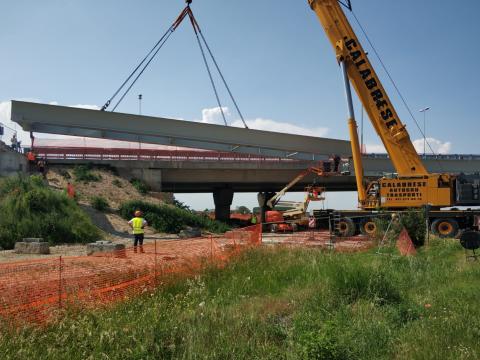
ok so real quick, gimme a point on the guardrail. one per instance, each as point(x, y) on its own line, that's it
point(431, 157)
point(99, 153)
point(91, 153)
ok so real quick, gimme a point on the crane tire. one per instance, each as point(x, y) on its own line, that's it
point(368, 227)
point(445, 228)
point(346, 227)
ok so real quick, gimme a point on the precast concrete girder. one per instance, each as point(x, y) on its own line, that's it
point(63, 120)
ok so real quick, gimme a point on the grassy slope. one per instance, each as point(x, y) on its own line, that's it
point(29, 208)
point(275, 304)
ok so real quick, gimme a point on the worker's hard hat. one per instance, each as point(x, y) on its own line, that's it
point(138, 213)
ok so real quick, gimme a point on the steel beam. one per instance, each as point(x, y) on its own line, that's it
point(63, 120)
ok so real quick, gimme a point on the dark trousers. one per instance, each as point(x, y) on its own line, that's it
point(138, 241)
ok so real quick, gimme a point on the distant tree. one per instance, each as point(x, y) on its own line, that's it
point(243, 210)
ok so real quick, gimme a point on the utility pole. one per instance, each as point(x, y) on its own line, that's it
point(140, 97)
point(361, 134)
point(424, 111)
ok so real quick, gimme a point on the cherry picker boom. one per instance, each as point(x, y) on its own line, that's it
point(414, 186)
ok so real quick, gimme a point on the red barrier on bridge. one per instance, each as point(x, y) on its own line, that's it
point(97, 153)
point(38, 291)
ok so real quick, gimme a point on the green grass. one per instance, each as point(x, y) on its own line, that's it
point(285, 304)
point(29, 208)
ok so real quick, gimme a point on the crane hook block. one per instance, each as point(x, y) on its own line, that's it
point(188, 2)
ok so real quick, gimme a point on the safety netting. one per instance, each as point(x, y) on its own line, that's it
point(319, 238)
point(40, 291)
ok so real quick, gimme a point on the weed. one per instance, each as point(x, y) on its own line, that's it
point(412, 220)
point(141, 186)
point(99, 203)
point(117, 183)
point(65, 174)
point(84, 174)
point(170, 219)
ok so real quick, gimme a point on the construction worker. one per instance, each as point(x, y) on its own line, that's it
point(31, 160)
point(70, 191)
point(138, 224)
point(253, 220)
point(336, 162)
point(41, 166)
point(13, 142)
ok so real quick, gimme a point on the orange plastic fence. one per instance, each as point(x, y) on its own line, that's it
point(38, 291)
point(316, 238)
point(405, 244)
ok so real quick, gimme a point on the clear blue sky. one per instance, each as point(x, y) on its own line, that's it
point(274, 54)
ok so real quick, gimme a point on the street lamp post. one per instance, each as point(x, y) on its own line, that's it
point(424, 111)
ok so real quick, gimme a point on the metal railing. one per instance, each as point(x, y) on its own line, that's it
point(107, 154)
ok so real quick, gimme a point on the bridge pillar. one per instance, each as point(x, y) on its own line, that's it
point(222, 198)
point(263, 198)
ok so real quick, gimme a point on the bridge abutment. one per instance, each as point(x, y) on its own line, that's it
point(222, 198)
point(11, 162)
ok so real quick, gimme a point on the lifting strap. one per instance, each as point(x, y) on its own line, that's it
point(145, 62)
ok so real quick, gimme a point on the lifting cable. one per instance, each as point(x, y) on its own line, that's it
point(393, 83)
point(159, 44)
point(196, 28)
point(154, 51)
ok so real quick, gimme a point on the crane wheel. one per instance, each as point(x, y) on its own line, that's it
point(368, 227)
point(445, 228)
point(345, 227)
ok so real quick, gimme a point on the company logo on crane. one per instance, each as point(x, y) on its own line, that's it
point(371, 83)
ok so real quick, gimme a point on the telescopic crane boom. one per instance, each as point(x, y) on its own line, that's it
point(370, 90)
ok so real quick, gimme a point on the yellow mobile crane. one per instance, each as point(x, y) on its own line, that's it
point(414, 187)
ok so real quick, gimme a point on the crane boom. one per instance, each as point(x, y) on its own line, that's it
point(369, 89)
point(274, 200)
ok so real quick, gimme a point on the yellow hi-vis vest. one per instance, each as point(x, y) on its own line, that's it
point(137, 224)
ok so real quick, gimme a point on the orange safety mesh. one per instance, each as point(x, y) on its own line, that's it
point(405, 244)
point(38, 291)
point(320, 238)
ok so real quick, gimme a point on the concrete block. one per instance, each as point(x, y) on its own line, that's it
point(32, 240)
point(190, 232)
point(105, 247)
point(32, 247)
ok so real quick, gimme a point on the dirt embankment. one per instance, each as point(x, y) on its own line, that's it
point(114, 189)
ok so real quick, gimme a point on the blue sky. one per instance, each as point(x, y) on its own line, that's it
point(274, 55)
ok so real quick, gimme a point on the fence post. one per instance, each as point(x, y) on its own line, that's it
point(211, 248)
point(260, 230)
point(155, 271)
point(60, 268)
